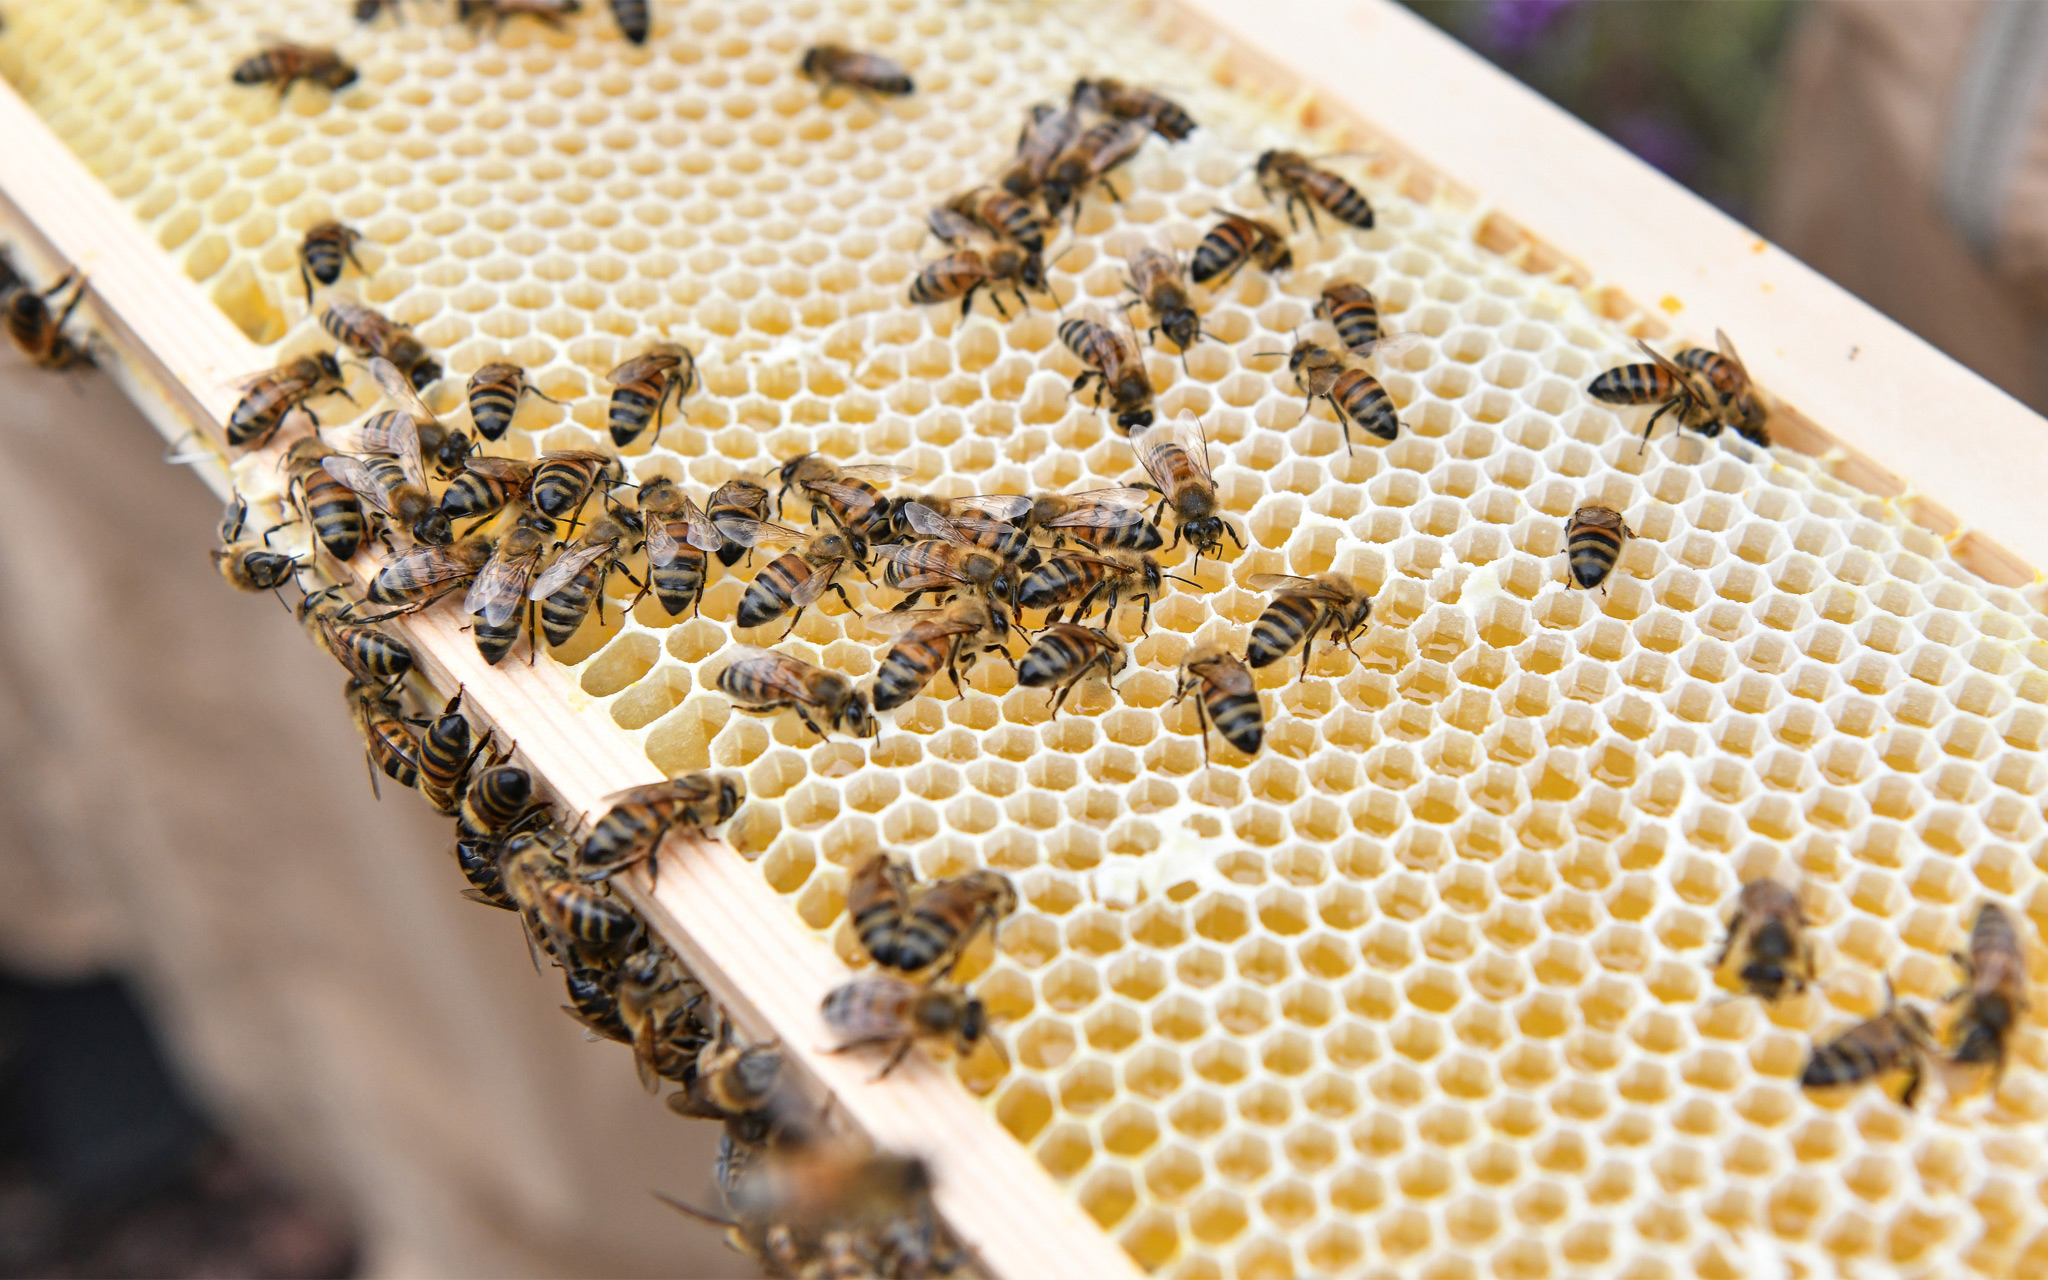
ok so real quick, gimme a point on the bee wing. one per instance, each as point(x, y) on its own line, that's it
point(501, 587)
point(1727, 346)
point(1392, 346)
point(566, 566)
point(1225, 675)
point(1104, 509)
point(662, 547)
point(1665, 363)
point(974, 526)
point(996, 506)
point(1287, 582)
point(1193, 438)
point(885, 624)
point(774, 670)
point(430, 566)
point(874, 473)
point(951, 227)
point(933, 525)
point(811, 589)
point(752, 533)
point(355, 474)
point(702, 534)
point(508, 470)
point(399, 388)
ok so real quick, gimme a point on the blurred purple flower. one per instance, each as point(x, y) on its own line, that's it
point(1513, 26)
point(1660, 141)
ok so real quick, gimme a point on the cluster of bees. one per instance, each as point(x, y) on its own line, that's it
point(1769, 954)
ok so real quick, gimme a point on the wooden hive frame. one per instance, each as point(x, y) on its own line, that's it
point(1857, 388)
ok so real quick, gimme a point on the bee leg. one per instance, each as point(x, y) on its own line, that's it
point(376, 792)
point(1060, 699)
point(306, 278)
point(844, 599)
point(810, 724)
point(1912, 1089)
point(1662, 409)
point(793, 618)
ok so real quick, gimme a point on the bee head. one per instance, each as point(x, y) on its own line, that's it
point(731, 791)
point(812, 57)
point(424, 374)
point(1134, 421)
point(859, 718)
point(329, 366)
point(973, 1023)
point(250, 72)
point(345, 77)
point(432, 527)
point(1032, 272)
point(1766, 978)
point(455, 449)
point(1266, 162)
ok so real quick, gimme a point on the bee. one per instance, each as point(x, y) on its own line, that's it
point(950, 640)
point(485, 487)
point(830, 65)
point(250, 565)
point(641, 817)
point(373, 657)
point(880, 1009)
point(446, 751)
point(592, 1003)
point(475, 13)
point(268, 396)
point(1328, 602)
point(1235, 241)
point(964, 272)
point(1006, 540)
point(1593, 540)
point(678, 536)
point(284, 64)
point(1996, 993)
point(816, 1188)
point(412, 580)
point(1065, 653)
point(382, 484)
point(1897, 1039)
point(1156, 279)
point(388, 746)
point(563, 480)
point(846, 494)
point(1727, 379)
point(763, 681)
point(796, 579)
point(732, 1079)
point(368, 334)
point(1045, 136)
point(1105, 518)
point(1100, 149)
point(567, 588)
point(368, 11)
point(1767, 937)
point(1353, 393)
point(740, 498)
point(1226, 699)
point(38, 330)
point(653, 999)
point(1352, 311)
point(496, 802)
point(1001, 214)
point(1290, 175)
point(934, 927)
point(635, 19)
point(1176, 456)
point(877, 898)
point(322, 251)
point(1081, 579)
point(412, 432)
point(1116, 369)
point(330, 506)
point(1162, 114)
point(575, 922)
point(642, 386)
point(493, 394)
point(942, 566)
point(499, 591)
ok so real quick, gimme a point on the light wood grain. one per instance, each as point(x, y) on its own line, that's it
point(179, 355)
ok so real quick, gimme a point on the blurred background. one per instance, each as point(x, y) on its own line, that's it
point(183, 1023)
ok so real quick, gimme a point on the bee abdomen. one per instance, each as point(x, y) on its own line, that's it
point(1341, 200)
point(480, 867)
point(1367, 403)
point(1048, 660)
point(491, 408)
point(1633, 384)
point(565, 610)
point(1241, 721)
point(494, 642)
point(1279, 630)
point(1142, 536)
point(678, 583)
point(1222, 250)
point(1841, 1064)
point(906, 669)
point(631, 408)
point(633, 19)
point(767, 596)
point(1593, 552)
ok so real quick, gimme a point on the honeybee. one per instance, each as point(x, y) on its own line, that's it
point(412, 580)
point(1001, 214)
point(1733, 394)
point(937, 565)
point(250, 565)
point(567, 588)
point(1899, 1039)
point(641, 817)
point(1065, 653)
point(495, 803)
point(880, 1009)
point(935, 925)
point(1768, 940)
point(284, 64)
point(448, 447)
point(763, 681)
point(796, 579)
point(816, 1188)
point(576, 922)
point(731, 1079)
point(933, 640)
point(877, 896)
point(678, 536)
point(562, 480)
point(475, 13)
point(1328, 602)
point(1090, 158)
point(1176, 456)
point(1166, 117)
point(1995, 995)
point(1156, 279)
point(1298, 181)
point(388, 746)
point(1353, 393)
point(382, 484)
point(635, 19)
point(592, 1003)
point(268, 396)
point(1081, 579)
point(1082, 514)
point(1115, 367)
point(38, 330)
point(847, 494)
point(446, 751)
point(321, 254)
point(1593, 540)
point(832, 65)
point(493, 395)
point(1006, 540)
point(737, 498)
point(372, 656)
point(497, 595)
point(1704, 391)
point(1235, 241)
point(368, 11)
point(485, 487)
point(654, 1002)
point(1353, 313)
point(964, 272)
point(1047, 134)
point(1226, 699)
point(643, 385)
point(369, 333)
point(330, 506)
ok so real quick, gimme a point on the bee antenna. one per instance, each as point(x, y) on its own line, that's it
point(1177, 578)
point(694, 1212)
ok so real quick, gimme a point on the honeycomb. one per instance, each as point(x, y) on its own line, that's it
point(1421, 990)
